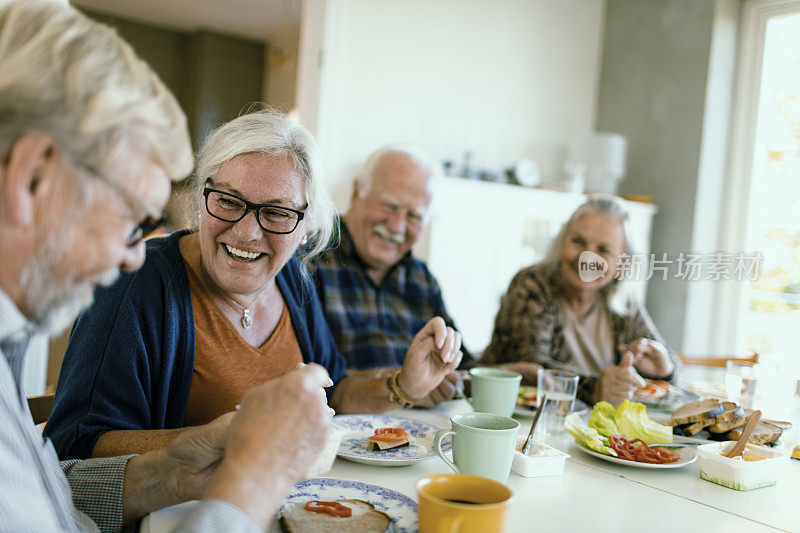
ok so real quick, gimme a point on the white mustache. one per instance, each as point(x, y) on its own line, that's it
point(382, 231)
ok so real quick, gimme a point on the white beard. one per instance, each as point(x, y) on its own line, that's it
point(54, 306)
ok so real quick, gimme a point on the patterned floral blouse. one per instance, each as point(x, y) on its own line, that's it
point(530, 327)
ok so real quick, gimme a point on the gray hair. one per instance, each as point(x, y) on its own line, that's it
point(420, 157)
point(77, 80)
point(600, 204)
point(271, 132)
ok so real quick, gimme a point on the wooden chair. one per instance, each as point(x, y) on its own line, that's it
point(716, 361)
point(41, 407)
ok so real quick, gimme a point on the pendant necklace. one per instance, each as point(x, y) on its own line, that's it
point(246, 320)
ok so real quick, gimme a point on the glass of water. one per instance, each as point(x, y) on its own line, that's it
point(560, 387)
point(741, 381)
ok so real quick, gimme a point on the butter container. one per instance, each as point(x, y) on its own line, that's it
point(737, 473)
point(326, 458)
point(543, 460)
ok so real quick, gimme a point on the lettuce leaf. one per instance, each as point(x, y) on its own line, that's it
point(586, 436)
point(602, 419)
point(632, 421)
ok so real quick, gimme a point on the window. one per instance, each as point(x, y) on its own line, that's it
point(770, 314)
point(763, 205)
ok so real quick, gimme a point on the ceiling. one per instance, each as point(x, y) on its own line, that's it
point(260, 20)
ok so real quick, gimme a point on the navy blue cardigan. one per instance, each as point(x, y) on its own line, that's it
point(130, 356)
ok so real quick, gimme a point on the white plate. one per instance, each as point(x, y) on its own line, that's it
point(675, 397)
point(688, 456)
point(400, 508)
point(359, 428)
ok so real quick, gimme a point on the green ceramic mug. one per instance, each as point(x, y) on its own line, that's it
point(494, 390)
point(483, 444)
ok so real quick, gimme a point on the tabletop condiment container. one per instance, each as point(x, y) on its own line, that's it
point(551, 463)
point(327, 456)
point(736, 473)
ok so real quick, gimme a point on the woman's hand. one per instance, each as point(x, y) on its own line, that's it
point(650, 357)
point(618, 382)
point(529, 371)
point(434, 352)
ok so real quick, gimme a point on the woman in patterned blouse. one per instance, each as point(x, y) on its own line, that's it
point(568, 312)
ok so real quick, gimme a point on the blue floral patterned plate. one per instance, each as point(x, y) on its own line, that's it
point(360, 428)
point(399, 507)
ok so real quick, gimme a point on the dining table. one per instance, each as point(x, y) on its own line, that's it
point(590, 495)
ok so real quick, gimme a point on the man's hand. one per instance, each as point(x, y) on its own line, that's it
point(178, 472)
point(618, 382)
point(446, 390)
point(273, 442)
point(194, 456)
point(650, 357)
point(529, 371)
point(434, 352)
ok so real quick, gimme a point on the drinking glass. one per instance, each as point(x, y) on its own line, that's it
point(560, 387)
point(741, 380)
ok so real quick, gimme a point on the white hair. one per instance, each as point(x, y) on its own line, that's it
point(418, 156)
point(606, 206)
point(77, 80)
point(271, 132)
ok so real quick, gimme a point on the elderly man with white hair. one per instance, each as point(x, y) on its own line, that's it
point(89, 141)
point(375, 294)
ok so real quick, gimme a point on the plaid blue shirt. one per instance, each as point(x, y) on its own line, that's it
point(373, 325)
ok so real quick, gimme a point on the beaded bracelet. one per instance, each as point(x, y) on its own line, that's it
point(396, 392)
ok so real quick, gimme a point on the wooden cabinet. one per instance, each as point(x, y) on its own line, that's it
point(482, 233)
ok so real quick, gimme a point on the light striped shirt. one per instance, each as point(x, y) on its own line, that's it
point(37, 493)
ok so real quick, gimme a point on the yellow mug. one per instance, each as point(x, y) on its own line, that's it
point(460, 503)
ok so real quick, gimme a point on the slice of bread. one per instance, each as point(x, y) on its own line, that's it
point(697, 411)
point(733, 417)
point(728, 426)
point(764, 433)
point(294, 518)
point(785, 426)
point(692, 429)
point(382, 446)
point(731, 412)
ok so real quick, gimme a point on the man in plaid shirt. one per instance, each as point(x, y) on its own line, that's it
point(375, 294)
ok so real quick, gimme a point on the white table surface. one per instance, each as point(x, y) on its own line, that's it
point(591, 494)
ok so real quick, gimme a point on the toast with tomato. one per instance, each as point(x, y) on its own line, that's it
point(295, 517)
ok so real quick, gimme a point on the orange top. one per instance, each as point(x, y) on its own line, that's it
point(225, 365)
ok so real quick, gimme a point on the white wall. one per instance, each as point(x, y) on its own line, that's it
point(504, 78)
point(655, 78)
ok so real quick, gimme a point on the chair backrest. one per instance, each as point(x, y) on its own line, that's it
point(41, 407)
point(719, 361)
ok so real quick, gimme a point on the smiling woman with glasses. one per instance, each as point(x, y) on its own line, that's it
point(220, 308)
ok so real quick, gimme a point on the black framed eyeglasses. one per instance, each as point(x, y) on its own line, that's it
point(230, 208)
point(146, 228)
point(149, 224)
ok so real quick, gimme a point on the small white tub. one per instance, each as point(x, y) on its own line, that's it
point(543, 460)
point(738, 474)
